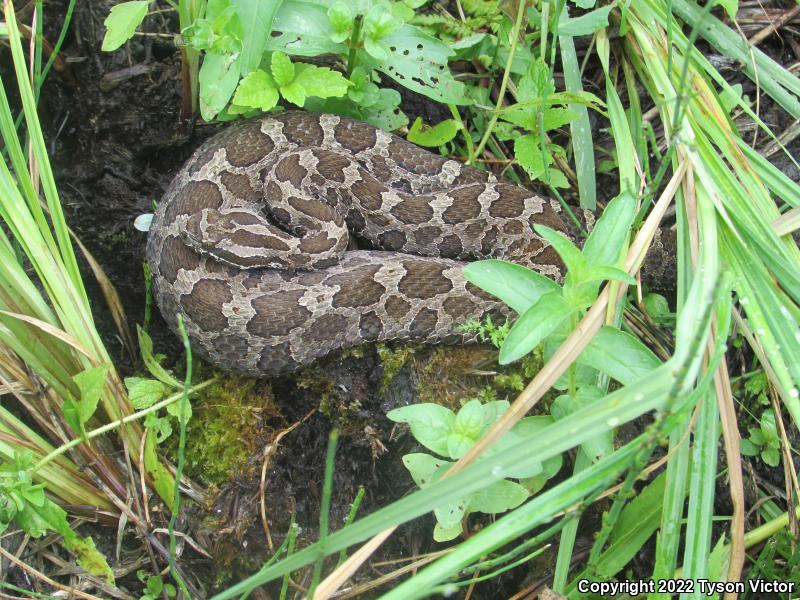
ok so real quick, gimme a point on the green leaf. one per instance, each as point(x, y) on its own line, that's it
point(341, 16)
point(430, 424)
point(257, 15)
point(619, 355)
point(91, 383)
point(586, 24)
point(143, 393)
point(446, 534)
point(294, 93)
point(160, 426)
point(731, 7)
point(376, 49)
point(420, 63)
point(174, 409)
point(438, 135)
point(553, 118)
point(517, 286)
point(470, 420)
point(321, 81)
point(528, 152)
point(606, 273)
point(604, 244)
point(599, 446)
point(121, 23)
point(219, 76)
point(257, 90)
point(282, 69)
point(657, 308)
point(150, 361)
point(569, 252)
point(499, 497)
point(378, 23)
point(363, 91)
point(72, 412)
point(539, 321)
point(536, 83)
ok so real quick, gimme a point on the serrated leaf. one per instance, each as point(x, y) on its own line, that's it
point(121, 23)
point(174, 409)
point(430, 424)
point(529, 154)
point(539, 321)
point(321, 82)
point(438, 135)
point(553, 118)
point(282, 69)
point(294, 93)
point(517, 286)
point(257, 90)
point(143, 393)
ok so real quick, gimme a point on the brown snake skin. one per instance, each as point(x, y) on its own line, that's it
point(253, 242)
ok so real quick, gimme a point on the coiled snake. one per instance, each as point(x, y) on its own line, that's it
point(253, 242)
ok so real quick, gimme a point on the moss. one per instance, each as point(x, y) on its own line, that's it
point(393, 358)
point(224, 429)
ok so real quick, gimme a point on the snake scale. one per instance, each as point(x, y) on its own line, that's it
point(256, 242)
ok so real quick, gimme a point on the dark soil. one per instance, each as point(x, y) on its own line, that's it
point(112, 123)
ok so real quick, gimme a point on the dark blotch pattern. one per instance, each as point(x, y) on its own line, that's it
point(239, 186)
point(326, 328)
point(176, 255)
point(426, 236)
point(413, 210)
point(465, 204)
point(396, 307)
point(511, 202)
point(354, 135)
point(331, 165)
point(424, 323)
point(287, 313)
point(392, 240)
point(357, 287)
point(423, 280)
point(451, 247)
point(317, 243)
point(460, 308)
point(301, 130)
point(368, 191)
point(248, 146)
point(194, 197)
point(290, 169)
point(204, 303)
point(277, 359)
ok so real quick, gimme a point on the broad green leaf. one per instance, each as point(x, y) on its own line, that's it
point(174, 409)
point(282, 69)
point(303, 29)
point(379, 22)
point(424, 468)
point(294, 93)
point(569, 252)
point(517, 286)
point(553, 118)
point(531, 328)
point(91, 383)
point(619, 355)
point(604, 244)
point(430, 424)
point(528, 152)
point(499, 497)
point(143, 393)
point(376, 49)
point(219, 76)
point(72, 415)
point(257, 15)
point(321, 81)
point(160, 426)
point(528, 428)
point(586, 24)
point(437, 135)
point(121, 23)
point(419, 62)
point(536, 83)
point(470, 419)
point(257, 89)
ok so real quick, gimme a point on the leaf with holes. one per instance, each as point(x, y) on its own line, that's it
point(303, 29)
point(419, 62)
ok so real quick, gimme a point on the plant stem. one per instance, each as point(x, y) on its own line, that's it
point(111, 426)
point(352, 56)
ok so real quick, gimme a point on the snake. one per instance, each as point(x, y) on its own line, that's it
point(288, 237)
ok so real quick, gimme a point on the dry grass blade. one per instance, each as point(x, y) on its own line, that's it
point(51, 330)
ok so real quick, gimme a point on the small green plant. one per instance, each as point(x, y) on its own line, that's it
point(546, 308)
point(451, 435)
point(764, 440)
point(27, 506)
point(155, 588)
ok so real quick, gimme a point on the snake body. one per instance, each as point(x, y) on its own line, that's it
point(255, 242)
